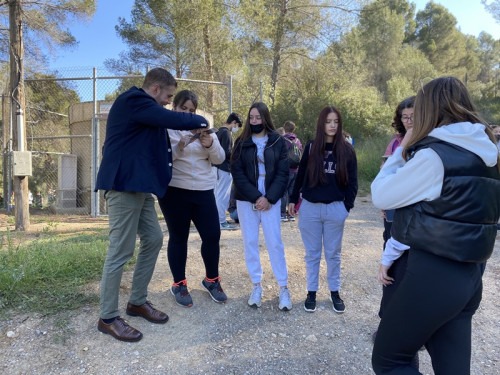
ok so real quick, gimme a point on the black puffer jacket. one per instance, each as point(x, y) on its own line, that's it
point(462, 223)
point(245, 172)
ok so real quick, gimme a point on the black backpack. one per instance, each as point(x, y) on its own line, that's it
point(294, 154)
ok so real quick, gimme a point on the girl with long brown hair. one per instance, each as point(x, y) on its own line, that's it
point(259, 166)
point(327, 178)
point(444, 182)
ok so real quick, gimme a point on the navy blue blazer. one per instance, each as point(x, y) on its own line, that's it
point(136, 155)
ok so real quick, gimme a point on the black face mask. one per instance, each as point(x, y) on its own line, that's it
point(256, 129)
point(497, 136)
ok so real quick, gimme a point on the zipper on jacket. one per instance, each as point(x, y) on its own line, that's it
point(255, 166)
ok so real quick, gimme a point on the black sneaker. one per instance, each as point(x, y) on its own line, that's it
point(310, 304)
point(212, 286)
point(180, 292)
point(338, 304)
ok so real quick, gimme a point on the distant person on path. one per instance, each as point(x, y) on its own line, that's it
point(444, 182)
point(136, 162)
point(289, 128)
point(402, 121)
point(190, 197)
point(328, 180)
point(224, 179)
point(259, 166)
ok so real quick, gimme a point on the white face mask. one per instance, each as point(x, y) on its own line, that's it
point(235, 129)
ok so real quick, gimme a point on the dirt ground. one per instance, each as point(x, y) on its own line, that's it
point(233, 338)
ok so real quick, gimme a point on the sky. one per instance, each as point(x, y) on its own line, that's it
point(99, 41)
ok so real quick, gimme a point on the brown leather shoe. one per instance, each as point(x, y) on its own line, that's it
point(120, 330)
point(148, 312)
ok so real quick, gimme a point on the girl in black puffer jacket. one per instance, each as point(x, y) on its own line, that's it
point(259, 167)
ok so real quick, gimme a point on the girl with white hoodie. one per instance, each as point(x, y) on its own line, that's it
point(444, 182)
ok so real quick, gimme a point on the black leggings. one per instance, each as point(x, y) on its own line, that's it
point(179, 207)
point(433, 306)
point(397, 272)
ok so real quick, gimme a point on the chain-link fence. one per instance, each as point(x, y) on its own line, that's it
point(65, 121)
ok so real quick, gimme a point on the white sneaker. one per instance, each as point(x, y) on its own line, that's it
point(285, 300)
point(255, 297)
point(227, 226)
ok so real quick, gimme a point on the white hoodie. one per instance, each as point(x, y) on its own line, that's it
point(401, 183)
point(192, 167)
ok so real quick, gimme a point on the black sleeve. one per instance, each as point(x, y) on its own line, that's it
point(301, 175)
point(280, 181)
point(241, 182)
point(352, 184)
point(225, 141)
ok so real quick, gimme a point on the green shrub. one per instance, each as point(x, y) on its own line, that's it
point(369, 154)
point(50, 273)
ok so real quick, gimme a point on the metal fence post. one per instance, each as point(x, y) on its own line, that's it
point(230, 94)
point(94, 196)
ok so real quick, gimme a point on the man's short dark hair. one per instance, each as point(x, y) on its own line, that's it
point(289, 127)
point(159, 76)
point(234, 117)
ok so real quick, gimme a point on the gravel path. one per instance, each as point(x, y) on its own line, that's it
point(233, 338)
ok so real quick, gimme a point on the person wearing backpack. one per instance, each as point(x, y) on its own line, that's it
point(294, 148)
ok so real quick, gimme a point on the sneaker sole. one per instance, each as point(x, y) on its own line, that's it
point(180, 304)
point(337, 311)
point(204, 287)
point(310, 310)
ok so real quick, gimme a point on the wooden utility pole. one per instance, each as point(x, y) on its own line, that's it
point(20, 183)
point(5, 148)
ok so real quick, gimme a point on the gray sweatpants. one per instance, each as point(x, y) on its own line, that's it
point(321, 225)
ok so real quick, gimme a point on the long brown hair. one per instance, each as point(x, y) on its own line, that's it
point(443, 101)
point(342, 149)
point(246, 133)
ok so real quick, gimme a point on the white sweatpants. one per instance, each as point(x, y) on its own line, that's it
point(250, 221)
point(222, 192)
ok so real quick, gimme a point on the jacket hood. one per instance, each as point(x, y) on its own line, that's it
point(471, 137)
point(290, 136)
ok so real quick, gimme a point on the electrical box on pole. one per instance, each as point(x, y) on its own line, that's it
point(21, 163)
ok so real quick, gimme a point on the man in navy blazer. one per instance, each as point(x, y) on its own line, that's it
point(136, 162)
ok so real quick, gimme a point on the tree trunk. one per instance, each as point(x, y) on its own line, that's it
point(277, 50)
point(209, 66)
point(5, 149)
point(21, 210)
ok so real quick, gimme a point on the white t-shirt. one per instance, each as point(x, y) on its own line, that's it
point(261, 143)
